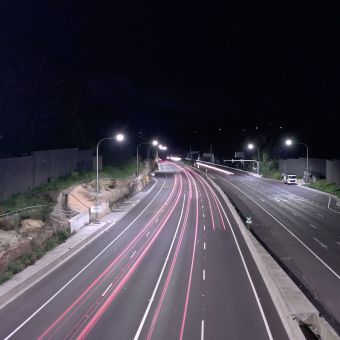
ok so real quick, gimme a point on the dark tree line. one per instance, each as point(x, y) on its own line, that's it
point(40, 107)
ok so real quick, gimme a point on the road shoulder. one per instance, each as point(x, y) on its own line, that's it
point(292, 306)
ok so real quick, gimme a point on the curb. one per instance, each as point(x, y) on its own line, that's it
point(337, 200)
point(25, 284)
point(291, 304)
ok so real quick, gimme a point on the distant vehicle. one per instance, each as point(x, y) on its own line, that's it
point(289, 179)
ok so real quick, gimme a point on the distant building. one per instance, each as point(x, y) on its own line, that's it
point(194, 154)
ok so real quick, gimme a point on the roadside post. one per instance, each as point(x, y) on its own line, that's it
point(249, 222)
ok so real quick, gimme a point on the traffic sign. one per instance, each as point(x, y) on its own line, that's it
point(239, 154)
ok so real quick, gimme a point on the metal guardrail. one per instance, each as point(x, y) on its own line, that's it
point(24, 210)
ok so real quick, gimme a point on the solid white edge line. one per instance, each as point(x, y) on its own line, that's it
point(107, 289)
point(289, 231)
point(248, 275)
point(202, 330)
point(329, 202)
point(82, 270)
point(139, 330)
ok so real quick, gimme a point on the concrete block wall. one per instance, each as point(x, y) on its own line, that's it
point(333, 171)
point(15, 175)
point(52, 164)
point(296, 166)
point(20, 174)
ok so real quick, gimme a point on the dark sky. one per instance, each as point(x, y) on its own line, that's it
point(75, 71)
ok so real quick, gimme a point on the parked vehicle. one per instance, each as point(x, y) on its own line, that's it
point(289, 179)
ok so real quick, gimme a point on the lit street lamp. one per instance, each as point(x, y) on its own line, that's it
point(154, 143)
point(251, 146)
point(119, 138)
point(289, 142)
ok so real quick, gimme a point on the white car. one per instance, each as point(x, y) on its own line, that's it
point(289, 179)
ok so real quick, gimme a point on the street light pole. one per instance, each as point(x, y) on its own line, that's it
point(250, 147)
point(119, 138)
point(306, 156)
point(290, 142)
point(137, 167)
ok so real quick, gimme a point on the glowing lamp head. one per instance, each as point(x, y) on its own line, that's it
point(250, 146)
point(120, 137)
point(154, 143)
point(289, 142)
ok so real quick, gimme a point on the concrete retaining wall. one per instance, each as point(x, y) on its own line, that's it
point(79, 221)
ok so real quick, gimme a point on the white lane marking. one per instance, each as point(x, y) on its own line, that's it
point(202, 330)
point(147, 234)
point(329, 202)
point(245, 266)
point(204, 227)
point(83, 269)
point(313, 226)
point(107, 289)
point(204, 246)
point(203, 215)
point(289, 231)
point(139, 330)
point(262, 200)
point(321, 244)
point(203, 274)
point(133, 254)
point(294, 213)
point(202, 206)
point(320, 215)
point(338, 243)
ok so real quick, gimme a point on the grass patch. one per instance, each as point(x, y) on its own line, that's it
point(47, 194)
point(31, 257)
point(274, 174)
point(325, 186)
point(122, 170)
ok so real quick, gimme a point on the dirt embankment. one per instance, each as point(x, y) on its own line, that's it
point(22, 236)
point(29, 235)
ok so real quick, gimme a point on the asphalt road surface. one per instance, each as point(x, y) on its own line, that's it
point(175, 267)
point(300, 226)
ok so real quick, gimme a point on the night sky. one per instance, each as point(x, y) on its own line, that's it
point(72, 72)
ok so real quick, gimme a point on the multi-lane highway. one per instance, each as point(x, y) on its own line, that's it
point(175, 267)
point(300, 227)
